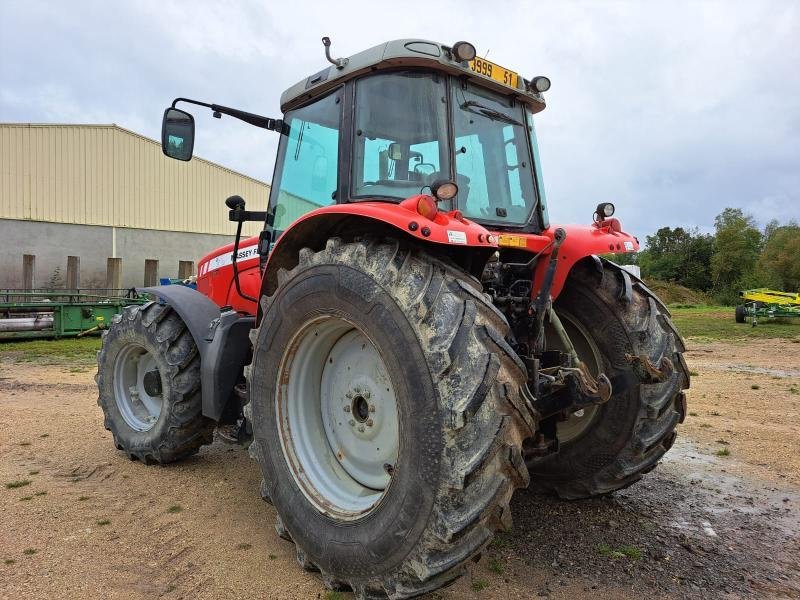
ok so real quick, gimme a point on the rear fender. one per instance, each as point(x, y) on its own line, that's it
point(448, 233)
point(221, 338)
point(581, 241)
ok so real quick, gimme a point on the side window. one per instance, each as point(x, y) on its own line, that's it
point(308, 158)
point(471, 176)
point(513, 165)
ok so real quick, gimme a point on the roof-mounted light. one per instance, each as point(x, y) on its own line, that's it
point(463, 51)
point(539, 84)
point(604, 211)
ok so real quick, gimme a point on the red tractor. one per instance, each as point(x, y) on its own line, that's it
point(409, 339)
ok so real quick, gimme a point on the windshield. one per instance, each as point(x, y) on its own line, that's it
point(400, 142)
point(493, 166)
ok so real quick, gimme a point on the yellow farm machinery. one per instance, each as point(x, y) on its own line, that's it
point(762, 303)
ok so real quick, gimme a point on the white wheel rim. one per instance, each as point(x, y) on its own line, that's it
point(338, 418)
point(578, 422)
point(139, 409)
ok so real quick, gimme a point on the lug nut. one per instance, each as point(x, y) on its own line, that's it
point(361, 428)
point(366, 394)
point(371, 408)
point(352, 423)
point(370, 423)
point(347, 408)
point(357, 390)
point(348, 395)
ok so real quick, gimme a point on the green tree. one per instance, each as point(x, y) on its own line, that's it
point(779, 263)
point(679, 255)
point(736, 250)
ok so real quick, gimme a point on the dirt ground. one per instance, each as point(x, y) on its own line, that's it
point(89, 523)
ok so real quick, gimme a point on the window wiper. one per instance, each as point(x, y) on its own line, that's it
point(486, 111)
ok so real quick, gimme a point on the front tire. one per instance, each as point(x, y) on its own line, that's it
point(416, 335)
point(614, 323)
point(148, 381)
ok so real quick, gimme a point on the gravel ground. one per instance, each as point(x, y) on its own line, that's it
point(90, 523)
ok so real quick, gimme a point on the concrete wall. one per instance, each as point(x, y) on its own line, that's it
point(51, 243)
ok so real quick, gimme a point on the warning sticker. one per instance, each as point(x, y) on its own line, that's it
point(456, 237)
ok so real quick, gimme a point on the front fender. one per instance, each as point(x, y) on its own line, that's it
point(447, 232)
point(221, 338)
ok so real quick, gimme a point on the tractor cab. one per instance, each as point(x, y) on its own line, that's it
point(393, 121)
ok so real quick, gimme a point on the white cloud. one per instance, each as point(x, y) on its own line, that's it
point(673, 110)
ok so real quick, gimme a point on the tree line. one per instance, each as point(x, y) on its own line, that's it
point(737, 256)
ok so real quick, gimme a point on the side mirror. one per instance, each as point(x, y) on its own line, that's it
point(177, 134)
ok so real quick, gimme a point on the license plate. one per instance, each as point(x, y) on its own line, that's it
point(484, 67)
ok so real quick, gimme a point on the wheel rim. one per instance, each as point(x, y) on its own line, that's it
point(137, 387)
point(578, 422)
point(338, 418)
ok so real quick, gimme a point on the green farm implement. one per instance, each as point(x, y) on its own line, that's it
point(763, 303)
point(28, 314)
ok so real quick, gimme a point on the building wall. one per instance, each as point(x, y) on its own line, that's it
point(100, 191)
point(107, 175)
point(51, 243)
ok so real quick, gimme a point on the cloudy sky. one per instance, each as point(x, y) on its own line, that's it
point(671, 110)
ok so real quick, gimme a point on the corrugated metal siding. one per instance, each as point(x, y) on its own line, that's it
point(106, 175)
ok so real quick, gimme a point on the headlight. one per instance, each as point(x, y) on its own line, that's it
point(463, 51)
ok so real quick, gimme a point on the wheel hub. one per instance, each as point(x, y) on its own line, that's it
point(137, 387)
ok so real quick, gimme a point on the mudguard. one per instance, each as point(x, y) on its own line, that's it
point(448, 232)
point(221, 338)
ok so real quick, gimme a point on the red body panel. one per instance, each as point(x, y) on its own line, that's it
point(215, 272)
point(215, 275)
point(581, 241)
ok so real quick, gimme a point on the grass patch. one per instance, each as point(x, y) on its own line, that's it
point(29, 551)
point(104, 522)
point(272, 556)
point(175, 508)
point(42, 493)
point(755, 386)
point(694, 374)
point(71, 350)
point(717, 323)
point(26, 498)
point(244, 546)
point(723, 452)
point(33, 472)
point(12, 485)
point(692, 414)
point(44, 435)
point(82, 498)
point(479, 585)
point(333, 595)
point(9, 561)
point(500, 541)
point(495, 566)
point(631, 552)
point(705, 425)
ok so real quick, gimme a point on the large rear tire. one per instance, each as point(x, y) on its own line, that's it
point(382, 401)
point(148, 380)
point(615, 321)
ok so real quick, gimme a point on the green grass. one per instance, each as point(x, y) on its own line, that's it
point(66, 350)
point(480, 584)
point(272, 556)
point(717, 323)
point(244, 546)
point(723, 452)
point(631, 552)
point(44, 435)
point(9, 561)
point(12, 485)
point(495, 566)
point(29, 551)
point(104, 522)
point(175, 508)
point(33, 472)
point(25, 498)
point(82, 498)
point(332, 595)
point(755, 387)
point(42, 493)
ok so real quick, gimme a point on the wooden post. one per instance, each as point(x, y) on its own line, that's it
point(114, 273)
point(150, 272)
point(185, 269)
point(73, 272)
point(28, 271)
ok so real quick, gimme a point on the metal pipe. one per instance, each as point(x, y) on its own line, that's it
point(27, 324)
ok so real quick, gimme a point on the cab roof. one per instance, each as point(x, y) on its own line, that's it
point(401, 53)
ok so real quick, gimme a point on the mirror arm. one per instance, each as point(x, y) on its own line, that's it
point(251, 118)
